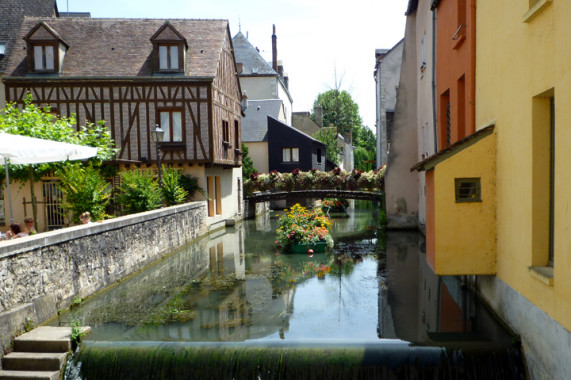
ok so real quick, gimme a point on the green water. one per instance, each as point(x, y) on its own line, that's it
point(235, 286)
point(232, 306)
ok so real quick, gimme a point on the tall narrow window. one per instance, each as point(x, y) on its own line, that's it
point(168, 57)
point(44, 57)
point(225, 131)
point(319, 156)
point(171, 123)
point(236, 134)
point(461, 124)
point(552, 181)
point(445, 137)
point(543, 179)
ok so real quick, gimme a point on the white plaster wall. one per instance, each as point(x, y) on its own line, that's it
point(258, 152)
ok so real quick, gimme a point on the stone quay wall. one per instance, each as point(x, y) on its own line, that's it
point(42, 274)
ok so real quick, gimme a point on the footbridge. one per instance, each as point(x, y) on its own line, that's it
point(316, 194)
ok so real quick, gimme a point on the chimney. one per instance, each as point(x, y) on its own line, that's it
point(240, 68)
point(244, 102)
point(274, 50)
point(318, 112)
point(280, 68)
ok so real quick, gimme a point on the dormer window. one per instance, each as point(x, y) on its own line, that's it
point(46, 49)
point(44, 58)
point(169, 50)
point(168, 57)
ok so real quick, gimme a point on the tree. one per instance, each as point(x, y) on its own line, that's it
point(365, 138)
point(34, 121)
point(339, 110)
point(247, 163)
point(328, 136)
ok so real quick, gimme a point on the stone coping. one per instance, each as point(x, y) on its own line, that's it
point(16, 246)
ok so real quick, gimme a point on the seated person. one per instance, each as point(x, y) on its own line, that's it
point(85, 218)
point(29, 226)
point(15, 231)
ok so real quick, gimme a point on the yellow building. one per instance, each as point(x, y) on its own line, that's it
point(516, 238)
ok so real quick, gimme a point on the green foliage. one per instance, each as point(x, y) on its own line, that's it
point(360, 155)
point(77, 301)
point(84, 189)
point(190, 184)
point(328, 136)
point(340, 110)
point(173, 192)
point(365, 138)
point(76, 333)
point(139, 191)
point(247, 163)
point(29, 324)
point(38, 122)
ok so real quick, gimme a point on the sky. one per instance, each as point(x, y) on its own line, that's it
point(320, 42)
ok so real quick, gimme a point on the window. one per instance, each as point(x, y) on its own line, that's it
point(171, 123)
point(44, 58)
point(468, 190)
point(237, 134)
point(290, 154)
point(225, 132)
point(168, 57)
point(543, 193)
point(319, 156)
point(445, 128)
point(169, 49)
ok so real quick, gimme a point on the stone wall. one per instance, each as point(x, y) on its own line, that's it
point(42, 274)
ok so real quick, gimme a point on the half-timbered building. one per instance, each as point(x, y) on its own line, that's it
point(136, 74)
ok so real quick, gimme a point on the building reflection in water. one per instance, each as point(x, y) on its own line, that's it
point(417, 306)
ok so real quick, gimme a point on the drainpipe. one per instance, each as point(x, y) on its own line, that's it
point(434, 120)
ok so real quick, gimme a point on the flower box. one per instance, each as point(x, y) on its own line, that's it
point(318, 247)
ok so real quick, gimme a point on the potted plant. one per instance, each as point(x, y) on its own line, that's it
point(301, 230)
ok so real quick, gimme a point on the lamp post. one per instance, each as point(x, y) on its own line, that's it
point(157, 136)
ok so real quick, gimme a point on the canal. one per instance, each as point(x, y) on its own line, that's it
point(233, 306)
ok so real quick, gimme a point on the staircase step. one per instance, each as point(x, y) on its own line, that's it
point(29, 375)
point(34, 361)
point(46, 339)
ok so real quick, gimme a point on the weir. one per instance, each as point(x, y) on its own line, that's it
point(301, 360)
point(232, 306)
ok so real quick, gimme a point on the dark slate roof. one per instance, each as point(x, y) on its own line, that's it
point(255, 123)
point(122, 47)
point(247, 55)
point(297, 131)
point(12, 13)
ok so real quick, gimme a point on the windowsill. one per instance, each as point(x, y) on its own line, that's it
point(543, 274)
point(534, 11)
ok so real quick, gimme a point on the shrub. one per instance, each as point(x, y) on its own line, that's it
point(190, 184)
point(173, 193)
point(84, 189)
point(139, 191)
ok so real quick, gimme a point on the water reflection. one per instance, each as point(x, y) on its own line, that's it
point(233, 287)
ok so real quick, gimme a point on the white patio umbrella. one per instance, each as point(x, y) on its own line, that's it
point(15, 149)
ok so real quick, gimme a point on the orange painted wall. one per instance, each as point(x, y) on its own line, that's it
point(455, 70)
point(430, 220)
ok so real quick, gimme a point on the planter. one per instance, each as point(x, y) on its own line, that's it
point(303, 248)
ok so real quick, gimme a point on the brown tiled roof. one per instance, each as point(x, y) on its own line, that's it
point(122, 47)
point(12, 13)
